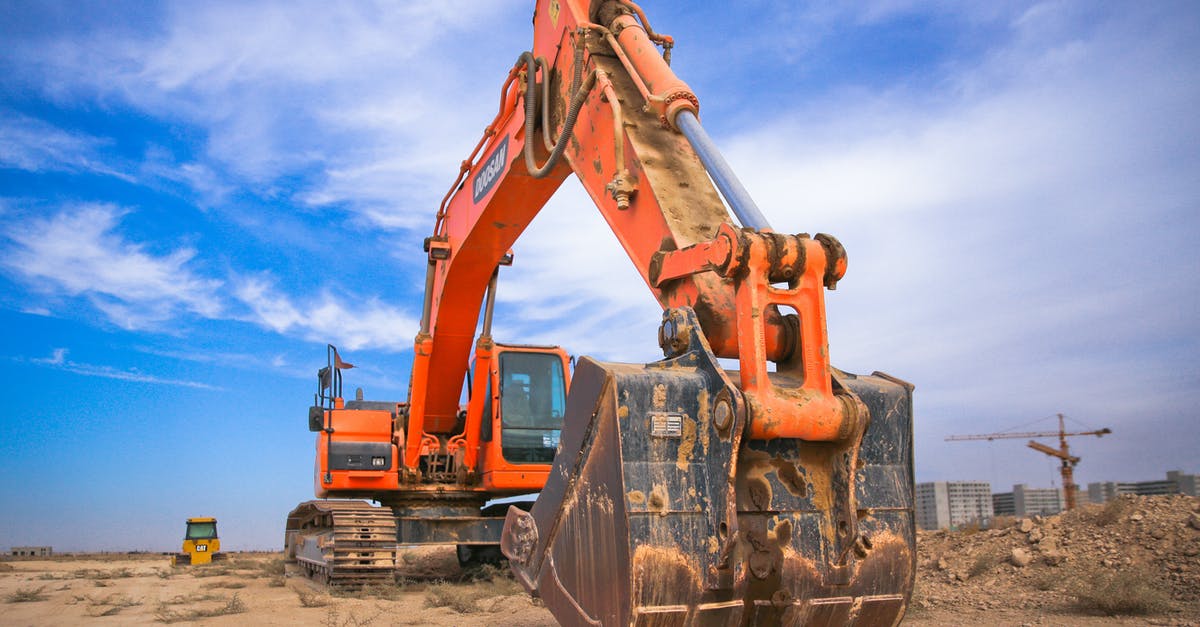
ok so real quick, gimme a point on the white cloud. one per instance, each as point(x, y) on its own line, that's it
point(58, 360)
point(349, 95)
point(366, 323)
point(33, 145)
point(77, 252)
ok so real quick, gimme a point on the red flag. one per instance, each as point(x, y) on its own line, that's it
point(338, 363)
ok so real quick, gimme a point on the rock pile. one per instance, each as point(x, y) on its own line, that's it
point(1038, 562)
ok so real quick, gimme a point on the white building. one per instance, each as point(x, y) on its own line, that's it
point(952, 504)
point(1177, 482)
point(1023, 501)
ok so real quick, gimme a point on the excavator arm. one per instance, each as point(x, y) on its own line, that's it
point(682, 493)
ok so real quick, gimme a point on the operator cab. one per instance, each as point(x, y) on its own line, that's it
point(533, 398)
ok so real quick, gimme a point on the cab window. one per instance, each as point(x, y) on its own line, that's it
point(532, 402)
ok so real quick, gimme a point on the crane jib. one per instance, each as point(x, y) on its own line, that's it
point(487, 175)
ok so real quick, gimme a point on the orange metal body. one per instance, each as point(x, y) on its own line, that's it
point(356, 425)
point(759, 296)
point(656, 197)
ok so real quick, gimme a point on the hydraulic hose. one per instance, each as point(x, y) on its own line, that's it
point(531, 104)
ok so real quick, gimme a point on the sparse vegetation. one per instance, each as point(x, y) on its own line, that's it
point(308, 598)
point(26, 595)
point(212, 571)
point(984, 563)
point(194, 597)
point(1130, 591)
point(1111, 512)
point(166, 614)
point(460, 598)
point(334, 619)
point(111, 605)
point(273, 567)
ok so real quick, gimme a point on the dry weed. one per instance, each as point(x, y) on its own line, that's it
point(458, 597)
point(983, 564)
point(25, 595)
point(111, 605)
point(1130, 591)
point(308, 598)
point(274, 567)
point(211, 570)
point(164, 613)
point(194, 597)
point(334, 619)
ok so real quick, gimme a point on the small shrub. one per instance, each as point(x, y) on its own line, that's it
point(164, 613)
point(983, 564)
point(111, 605)
point(1123, 592)
point(25, 595)
point(501, 579)
point(309, 598)
point(274, 567)
point(194, 597)
point(460, 598)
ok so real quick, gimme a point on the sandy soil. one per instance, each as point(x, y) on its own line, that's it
point(968, 577)
point(136, 590)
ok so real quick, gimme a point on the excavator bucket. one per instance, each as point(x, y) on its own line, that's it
point(657, 512)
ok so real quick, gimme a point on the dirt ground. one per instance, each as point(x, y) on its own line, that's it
point(251, 589)
point(1054, 571)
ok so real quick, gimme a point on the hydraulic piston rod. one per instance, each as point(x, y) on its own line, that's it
point(727, 182)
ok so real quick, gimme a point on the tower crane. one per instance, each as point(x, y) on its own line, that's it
point(1063, 452)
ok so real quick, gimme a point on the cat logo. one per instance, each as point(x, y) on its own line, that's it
point(554, 11)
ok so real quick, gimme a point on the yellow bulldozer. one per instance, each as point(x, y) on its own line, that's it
point(200, 543)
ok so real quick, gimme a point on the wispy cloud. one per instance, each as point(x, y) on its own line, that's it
point(33, 145)
point(326, 318)
point(58, 360)
point(78, 252)
point(354, 109)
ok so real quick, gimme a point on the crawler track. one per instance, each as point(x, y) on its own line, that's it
point(342, 544)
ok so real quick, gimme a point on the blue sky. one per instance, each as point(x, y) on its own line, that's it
point(196, 197)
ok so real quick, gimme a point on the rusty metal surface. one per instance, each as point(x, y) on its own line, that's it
point(656, 513)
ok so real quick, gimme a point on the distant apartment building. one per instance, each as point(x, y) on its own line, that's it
point(31, 551)
point(952, 504)
point(1177, 482)
point(1024, 501)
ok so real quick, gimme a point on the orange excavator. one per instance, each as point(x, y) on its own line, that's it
point(677, 492)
